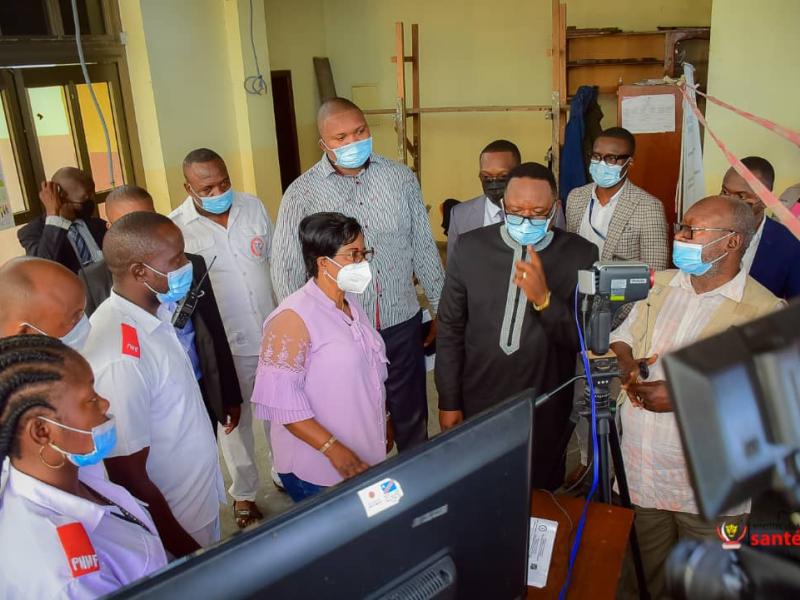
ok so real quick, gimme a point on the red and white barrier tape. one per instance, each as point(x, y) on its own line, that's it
point(790, 134)
point(766, 196)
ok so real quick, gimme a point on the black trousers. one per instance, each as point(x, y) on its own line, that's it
point(406, 394)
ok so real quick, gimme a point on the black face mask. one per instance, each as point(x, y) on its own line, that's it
point(86, 210)
point(495, 188)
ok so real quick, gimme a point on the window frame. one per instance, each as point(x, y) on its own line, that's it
point(105, 55)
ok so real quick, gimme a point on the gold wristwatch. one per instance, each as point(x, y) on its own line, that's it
point(543, 305)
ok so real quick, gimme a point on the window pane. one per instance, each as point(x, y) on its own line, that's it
point(90, 17)
point(95, 140)
point(8, 162)
point(53, 128)
point(23, 17)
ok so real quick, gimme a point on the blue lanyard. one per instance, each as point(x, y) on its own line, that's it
point(591, 209)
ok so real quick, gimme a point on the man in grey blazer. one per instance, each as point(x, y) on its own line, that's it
point(621, 219)
point(495, 162)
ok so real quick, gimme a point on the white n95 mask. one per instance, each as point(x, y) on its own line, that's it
point(354, 277)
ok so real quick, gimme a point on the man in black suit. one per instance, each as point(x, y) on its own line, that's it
point(208, 348)
point(67, 233)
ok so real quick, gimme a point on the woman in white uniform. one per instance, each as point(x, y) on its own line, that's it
point(65, 532)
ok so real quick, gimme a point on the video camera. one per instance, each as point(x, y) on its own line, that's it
point(612, 284)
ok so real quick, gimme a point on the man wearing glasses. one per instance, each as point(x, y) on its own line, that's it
point(708, 294)
point(621, 219)
point(506, 316)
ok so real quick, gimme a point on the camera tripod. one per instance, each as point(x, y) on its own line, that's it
point(603, 370)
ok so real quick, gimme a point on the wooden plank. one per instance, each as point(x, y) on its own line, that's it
point(562, 68)
point(400, 93)
point(554, 49)
point(416, 132)
point(324, 74)
point(462, 109)
point(408, 59)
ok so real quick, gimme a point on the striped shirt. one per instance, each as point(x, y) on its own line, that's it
point(385, 199)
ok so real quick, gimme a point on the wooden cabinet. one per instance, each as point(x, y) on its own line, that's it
point(658, 155)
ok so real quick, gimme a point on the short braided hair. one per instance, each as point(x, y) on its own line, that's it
point(27, 364)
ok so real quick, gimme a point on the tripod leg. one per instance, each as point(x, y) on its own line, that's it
point(622, 481)
point(604, 467)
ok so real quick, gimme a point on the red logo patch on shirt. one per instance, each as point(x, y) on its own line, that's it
point(81, 556)
point(257, 246)
point(130, 341)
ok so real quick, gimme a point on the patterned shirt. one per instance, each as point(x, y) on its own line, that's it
point(385, 199)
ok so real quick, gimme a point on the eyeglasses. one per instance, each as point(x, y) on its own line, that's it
point(610, 159)
point(513, 219)
point(498, 179)
point(357, 256)
point(687, 231)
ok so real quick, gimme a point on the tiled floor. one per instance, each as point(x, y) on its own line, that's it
point(270, 500)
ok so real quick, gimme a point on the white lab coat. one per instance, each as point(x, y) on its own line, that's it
point(58, 545)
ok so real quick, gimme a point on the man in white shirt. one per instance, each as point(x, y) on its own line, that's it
point(773, 257)
point(233, 233)
point(166, 454)
point(709, 294)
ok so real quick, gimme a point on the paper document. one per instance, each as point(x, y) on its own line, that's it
point(649, 114)
point(540, 550)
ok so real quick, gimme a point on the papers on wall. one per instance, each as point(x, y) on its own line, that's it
point(6, 212)
point(649, 114)
point(692, 185)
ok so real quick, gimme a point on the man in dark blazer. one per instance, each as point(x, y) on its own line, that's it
point(218, 384)
point(67, 233)
point(773, 257)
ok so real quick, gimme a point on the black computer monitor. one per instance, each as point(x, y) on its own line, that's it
point(459, 529)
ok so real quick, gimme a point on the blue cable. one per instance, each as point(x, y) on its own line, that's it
point(595, 462)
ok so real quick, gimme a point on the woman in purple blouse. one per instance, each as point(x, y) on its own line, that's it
point(322, 367)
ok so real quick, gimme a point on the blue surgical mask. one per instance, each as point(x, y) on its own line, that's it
point(76, 337)
point(689, 257)
point(527, 231)
point(353, 155)
point(217, 205)
point(179, 283)
point(104, 437)
point(606, 176)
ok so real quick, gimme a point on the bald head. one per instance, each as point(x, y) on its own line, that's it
point(72, 175)
point(39, 293)
point(76, 192)
point(727, 213)
point(127, 199)
point(333, 107)
point(340, 123)
point(139, 237)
